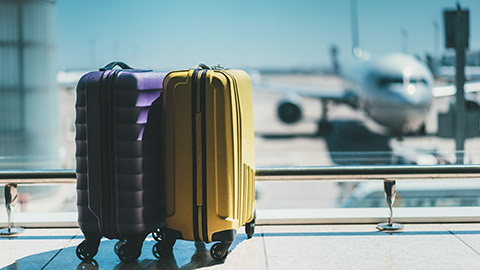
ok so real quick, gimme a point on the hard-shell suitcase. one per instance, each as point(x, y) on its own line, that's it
point(209, 158)
point(118, 156)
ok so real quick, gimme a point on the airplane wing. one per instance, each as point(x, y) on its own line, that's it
point(333, 93)
point(450, 90)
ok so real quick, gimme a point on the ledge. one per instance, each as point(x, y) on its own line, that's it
point(291, 216)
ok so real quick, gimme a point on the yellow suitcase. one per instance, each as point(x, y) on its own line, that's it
point(208, 158)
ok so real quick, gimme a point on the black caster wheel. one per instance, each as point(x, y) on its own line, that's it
point(219, 251)
point(88, 265)
point(86, 252)
point(158, 234)
point(250, 228)
point(127, 253)
point(118, 245)
point(160, 250)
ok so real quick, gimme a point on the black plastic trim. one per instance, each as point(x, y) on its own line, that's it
point(194, 156)
point(203, 80)
point(107, 122)
point(173, 234)
point(225, 236)
point(105, 200)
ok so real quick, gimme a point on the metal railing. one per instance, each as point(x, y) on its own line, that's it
point(335, 173)
point(38, 177)
point(345, 173)
point(389, 174)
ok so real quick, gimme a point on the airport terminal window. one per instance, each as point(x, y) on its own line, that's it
point(418, 198)
point(307, 61)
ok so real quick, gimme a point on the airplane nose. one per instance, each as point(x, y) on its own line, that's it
point(413, 95)
point(406, 108)
point(411, 89)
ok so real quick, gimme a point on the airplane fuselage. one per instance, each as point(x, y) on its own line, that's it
point(395, 91)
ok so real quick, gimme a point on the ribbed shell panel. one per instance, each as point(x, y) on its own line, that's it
point(139, 187)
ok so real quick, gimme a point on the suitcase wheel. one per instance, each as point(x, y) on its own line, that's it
point(157, 234)
point(219, 251)
point(250, 227)
point(86, 252)
point(88, 265)
point(118, 245)
point(162, 250)
point(126, 251)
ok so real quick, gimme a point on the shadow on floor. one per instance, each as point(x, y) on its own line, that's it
point(187, 255)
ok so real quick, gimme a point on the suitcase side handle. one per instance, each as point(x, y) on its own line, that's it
point(112, 65)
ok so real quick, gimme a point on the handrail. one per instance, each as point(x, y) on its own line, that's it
point(389, 174)
point(38, 177)
point(394, 172)
point(344, 173)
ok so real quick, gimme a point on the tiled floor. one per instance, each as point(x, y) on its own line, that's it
point(420, 246)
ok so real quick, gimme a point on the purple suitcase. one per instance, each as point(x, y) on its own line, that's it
point(118, 159)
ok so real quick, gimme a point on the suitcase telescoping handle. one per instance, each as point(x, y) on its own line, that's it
point(112, 65)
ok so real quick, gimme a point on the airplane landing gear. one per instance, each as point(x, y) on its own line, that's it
point(323, 125)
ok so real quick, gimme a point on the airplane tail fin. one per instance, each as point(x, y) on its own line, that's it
point(358, 53)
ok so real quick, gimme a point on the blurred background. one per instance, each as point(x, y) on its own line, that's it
point(307, 110)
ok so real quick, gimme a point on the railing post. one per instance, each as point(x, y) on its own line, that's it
point(390, 194)
point(10, 201)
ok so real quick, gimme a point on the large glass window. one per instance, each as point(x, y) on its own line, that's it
point(310, 62)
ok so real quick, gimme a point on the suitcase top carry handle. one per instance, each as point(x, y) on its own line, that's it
point(202, 66)
point(112, 65)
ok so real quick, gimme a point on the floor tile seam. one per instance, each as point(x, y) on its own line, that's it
point(461, 240)
point(60, 250)
point(265, 250)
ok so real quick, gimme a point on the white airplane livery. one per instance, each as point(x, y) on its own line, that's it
point(395, 91)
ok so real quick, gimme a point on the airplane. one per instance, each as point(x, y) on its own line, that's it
point(396, 91)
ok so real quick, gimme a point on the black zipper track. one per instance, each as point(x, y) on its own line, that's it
point(108, 154)
point(102, 97)
point(203, 99)
point(196, 233)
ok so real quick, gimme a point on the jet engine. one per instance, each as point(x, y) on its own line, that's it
point(289, 111)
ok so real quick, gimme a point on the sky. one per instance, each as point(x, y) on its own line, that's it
point(165, 35)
